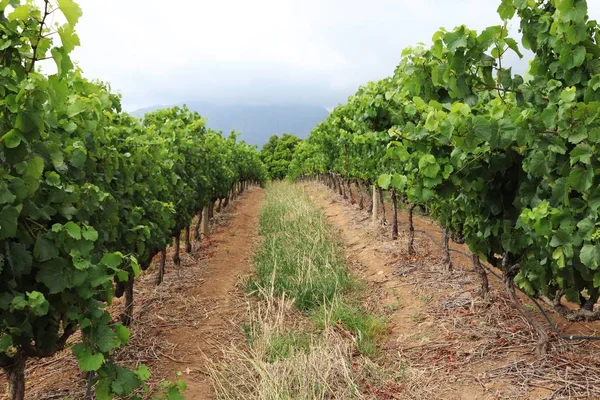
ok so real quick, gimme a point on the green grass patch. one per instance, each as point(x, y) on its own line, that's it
point(367, 329)
point(283, 346)
point(302, 259)
point(299, 256)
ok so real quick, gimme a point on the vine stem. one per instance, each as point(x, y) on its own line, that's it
point(40, 36)
point(509, 272)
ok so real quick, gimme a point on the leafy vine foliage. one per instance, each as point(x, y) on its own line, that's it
point(88, 195)
point(508, 162)
point(277, 154)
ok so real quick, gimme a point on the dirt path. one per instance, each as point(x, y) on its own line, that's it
point(446, 341)
point(219, 306)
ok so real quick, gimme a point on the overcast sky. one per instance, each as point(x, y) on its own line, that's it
point(260, 51)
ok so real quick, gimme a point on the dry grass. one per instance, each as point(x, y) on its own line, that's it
point(321, 366)
point(288, 354)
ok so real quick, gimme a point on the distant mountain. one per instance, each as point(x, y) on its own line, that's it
point(256, 123)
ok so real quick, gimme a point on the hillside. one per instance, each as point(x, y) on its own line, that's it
point(256, 123)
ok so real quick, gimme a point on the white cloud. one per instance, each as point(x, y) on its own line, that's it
point(259, 51)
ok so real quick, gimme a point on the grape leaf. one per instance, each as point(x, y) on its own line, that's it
point(87, 361)
point(44, 249)
point(590, 256)
point(73, 230)
point(9, 216)
point(71, 11)
point(55, 275)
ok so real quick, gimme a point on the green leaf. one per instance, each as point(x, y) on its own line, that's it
point(577, 135)
point(6, 196)
point(88, 361)
point(20, 13)
point(384, 181)
point(78, 158)
point(9, 219)
point(590, 256)
point(62, 60)
point(71, 10)
point(560, 238)
point(112, 260)
point(57, 158)
point(89, 233)
point(581, 179)
point(427, 195)
point(594, 200)
point(586, 226)
point(69, 40)
point(33, 174)
point(19, 302)
point(81, 263)
point(122, 276)
point(174, 393)
point(559, 257)
point(12, 139)
point(104, 338)
point(126, 382)
point(54, 275)
point(506, 10)
point(568, 95)
point(73, 230)
point(38, 304)
point(514, 46)
point(597, 280)
point(578, 56)
point(76, 108)
point(505, 75)
point(428, 166)
point(143, 373)
point(582, 153)
point(20, 259)
point(549, 116)
point(399, 182)
point(44, 249)
point(482, 128)
point(102, 389)
point(53, 179)
point(135, 267)
point(122, 333)
point(5, 342)
point(538, 163)
point(456, 40)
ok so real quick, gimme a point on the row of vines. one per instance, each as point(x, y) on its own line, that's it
point(508, 164)
point(88, 196)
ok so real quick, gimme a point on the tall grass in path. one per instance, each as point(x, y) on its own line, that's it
point(300, 273)
point(299, 257)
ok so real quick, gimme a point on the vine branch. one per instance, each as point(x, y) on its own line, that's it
point(42, 23)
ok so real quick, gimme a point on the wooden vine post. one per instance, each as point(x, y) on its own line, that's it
point(375, 204)
point(205, 221)
point(411, 231)
point(176, 248)
point(160, 273)
point(446, 259)
point(395, 215)
point(188, 241)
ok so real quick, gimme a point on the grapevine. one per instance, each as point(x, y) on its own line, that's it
point(509, 163)
point(88, 196)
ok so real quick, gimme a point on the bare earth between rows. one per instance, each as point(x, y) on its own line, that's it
point(443, 341)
